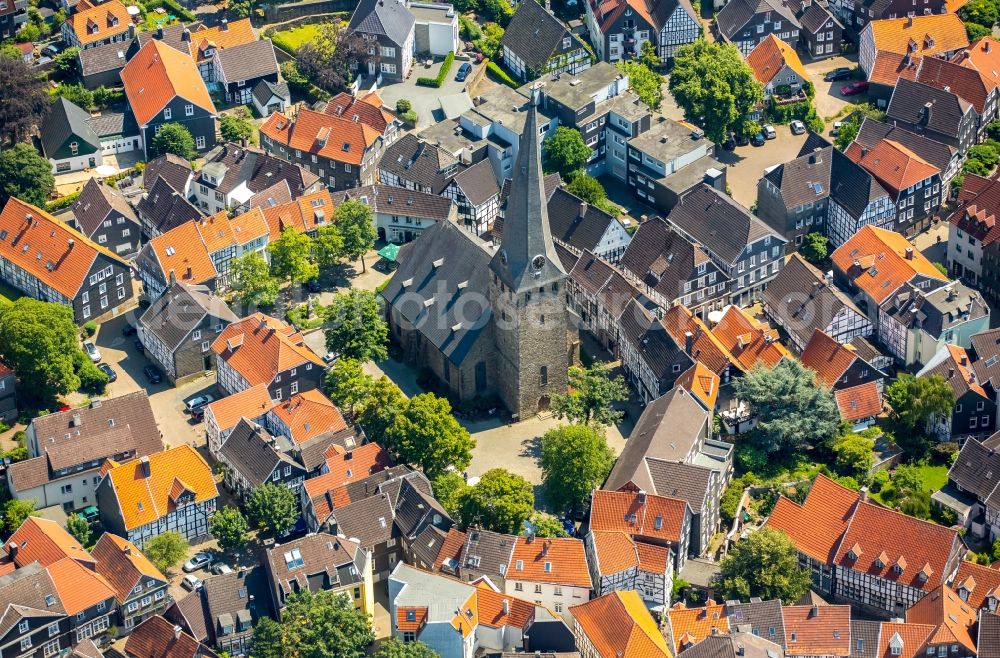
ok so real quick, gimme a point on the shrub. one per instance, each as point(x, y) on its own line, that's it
point(92, 380)
point(62, 202)
point(174, 7)
point(410, 117)
point(879, 481)
point(449, 59)
point(90, 328)
point(500, 75)
point(403, 106)
point(944, 453)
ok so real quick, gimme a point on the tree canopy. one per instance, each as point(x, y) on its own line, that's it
point(236, 127)
point(314, 625)
point(815, 249)
point(714, 86)
point(357, 229)
point(501, 501)
point(38, 340)
point(575, 460)
point(15, 512)
point(250, 277)
point(173, 138)
point(273, 508)
point(292, 257)
point(425, 433)
point(394, 648)
point(356, 327)
point(165, 550)
point(230, 528)
point(765, 564)
point(592, 391)
point(79, 528)
point(327, 60)
point(914, 403)
point(645, 82)
point(20, 112)
point(25, 174)
point(565, 152)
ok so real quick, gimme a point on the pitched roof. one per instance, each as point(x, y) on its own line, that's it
point(937, 154)
point(615, 551)
point(144, 499)
point(297, 564)
point(123, 565)
point(158, 74)
point(576, 222)
point(79, 588)
point(252, 452)
point(816, 526)
point(47, 249)
point(859, 402)
point(984, 57)
point(423, 163)
point(976, 215)
point(559, 561)
point(250, 403)
point(702, 383)
point(478, 183)
point(920, 35)
point(397, 200)
point(247, 61)
point(752, 343)
point(640, 515)
point(236, 166)
point(735, 15)
point(969, 83)
point(156, 638)
point(336, 138)
point(44, 541)
point(535, 35)
point(100, 22)
point(763, 617)
point(173, 168)
point(259, 347)
point(309, 414)
point(180, 309)
point(166, 207)
point(828, 358)
point(224, 35)
point(770, 56)
point(818, 630)
point(952, 616)
point(688, 626)
point(497, 610)
point(978, 582)
point(379, 18)
point(705, 346)
point(366, 107)
point(63, 120)
point(103, 58)
point(618, 624)
point(918, 104)
point(894, 165)
point(886, 261)
point(357, 463)
point(95, 202)
point(701, 210)
point(989, 635)
point(903, 640)
point(952, 363)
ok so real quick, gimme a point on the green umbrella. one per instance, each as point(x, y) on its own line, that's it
point(389, 252)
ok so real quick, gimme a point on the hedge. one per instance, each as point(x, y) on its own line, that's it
point(501, 75)
point(62, 202)
point(449, 59)
point(178, 11)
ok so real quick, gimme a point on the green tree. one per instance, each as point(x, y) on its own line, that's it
point(975, 31)
point(815, 248)
point(854, 456)
point(16, 511)
point(907, 480)
point(846, 133)
point(765, 564)
point(981, 12)
point(328, 245)
point(65, 64)
point(379, 408)
point(20, 112)
point(235, 127)
point(165, 550)
point(317, 625)
point(230, 528)
point(251, 280)
point(501, 501)
point(714, 86)
point(546, 525)
point(592, 393)
point(565, 151)
point(426, 433)
point(76, 94)
point(588, 188)
point(790, 408)
point(915, 402)
point(38, 340)
point(393, 648)
point(917, 504)
point(347, 384)
point(25, 174)
point(92, 379)
point(499, 10)
point(575, 460)
point(174, 138)
point(356, 326)
point(448, 487)
point(357, 228)
point(291, 257)
point(79, 528)
point(648, 56)
point(106, 96)
point(645, 82)
point(273, 508)
point(489, 40)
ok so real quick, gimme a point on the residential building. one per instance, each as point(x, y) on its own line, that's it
point(917, 36)
point(233, 604)
point(972, 483)
point(553, 571)
point(802, 300)
point(976, 87)
point(685, 627)
point(821, 34)
point(745, 23)
point(817, 630)
point(157, 637)
point(581, 226)
point(140, 588)
point(107, 22)
point(652, 359)
point(647, 518)
point(413, 164)
point(618, 29)
point(974, 237)
point(535, 43)
point(320, 562)
point(857, 14)
point(750, 342)
point(204, 42)
point(435, 28)
point(400, 214)
point(12, 17)
point(388, 26)
point(639, 634)
point(945, 158)
point(239, 69)
point(936, 113)
point(66, 450)
point(476, 196)
point(859, 405)
point(975, 412)
point(598, 295)
point(976, 584)
point(43, 541)
point(837, 365)
point(699, 343)
point(253, 457)
point(163, 86)
point(269, 97)
point(619, 563)
point(104, 216)
point(776, 65)
point(875, 558)
point(751, 645)
point(178, 255)
point(750, 253)
point(8, 393)
point(172, 490)
point(222, 416)
point(72, 139)
point(164, 207)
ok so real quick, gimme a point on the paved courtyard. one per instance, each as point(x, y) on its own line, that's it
point(426, 100)
point(829, 101)
point(747, 163)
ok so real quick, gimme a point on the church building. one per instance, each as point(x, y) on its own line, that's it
point(489, 320)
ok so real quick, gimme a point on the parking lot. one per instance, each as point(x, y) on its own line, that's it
point(426, 101)
point(829, 101)
point(747, 163)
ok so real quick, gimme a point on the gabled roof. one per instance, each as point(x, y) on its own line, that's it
point(975, 583)
point(143, 499)
point(309, 414)
point(937, 310)
point(235, 165)
point(64, 120)
point(182, 251)
point(576, 222)
point(952, 363)
point(304, 214)
point(952, 617)
point(380, 18)
point(764, 618)
point(702, 383)
point(918, 104)
point(250, 403)
point(316, 561)
point(79, 587)
point(859, 402)
point(735, 15)
point(478, 183)
point(367, 107)
point(173, 168)
point(248, 61)
point(989, 635)
point(182, 308)
point(96, 202)
point(336, 138)
point(984, 57)
point(158, 74)
point(558, 561)
point(259, 347)
point(224, 35)
point(817, 525)
point(615, 551)
point(828, 358)
point(969, 83)
point(47, 249)
point(979, 207)
point(254, 453)
point(423, 163)
point(123, 565)
point(618, 624)
point(390, 200)
point(770, 56)
point(894, 165)
point(220, 231)
point(902, 640)
point(100, 22)
point(705, 347)
point(689, 626)
point(752, 343)
point(885, 259)
point(640, 515)
point(817, 630)
point(156, 638)
point(535, 35)
point(358, 463)
point(920, 35)
point(46, 542)
point(937, 154)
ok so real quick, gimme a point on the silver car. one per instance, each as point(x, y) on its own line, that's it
point(92, 352)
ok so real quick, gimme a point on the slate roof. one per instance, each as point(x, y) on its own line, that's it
point(865, 638)
point(600, 279)
point(238, 165)
point(660, 351)
point(459, 283)
point(95, 202)
point(700, 213)
point(181, 308)
point(265, 90)
point(909, 104)
point(165, 207)
point(733, 645)
point(369, 520)
point(575, 222)
point(663, 259)
point(735, 15)
point(988, 640)
point(63, 120)
point(398, 201)
point(986, 347)
point(806, 179)
point(380, 18)
point(977, 471)
point(535, 35)
point(247, 61)
point(254, 453)
point(937, 310)
point(189, 613)
point(174, 169)
point(851, 186)
point(487, 552)
point(478, 183)
point(29, 586)
point(230, 594)
point(328, 562)
point(413, 159)
point(106, 57)
point(764, 618)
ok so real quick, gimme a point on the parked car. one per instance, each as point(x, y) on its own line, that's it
point(758, 139)
point(191, 582)
point(220, 568)
point(769, 132)
point(730, 143)
point(330, 357)
point(92, 352)
point(312, 285)
point(463, 72)
point(51, 50)
point(109, 371)
point(128, 330)
point(201, 560)
point(797, 127)
point(837, 125)
point(742, 140)
point(855, 88)
point(152, 374)
point(839, 73)
point(198, 402)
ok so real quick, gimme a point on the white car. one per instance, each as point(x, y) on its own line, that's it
point(220, 568)
point(199, 402)
point(797, 127)
point(191, 582)
point(198, 561)
point(769, 132)
point(836, 127)
point(92, 352)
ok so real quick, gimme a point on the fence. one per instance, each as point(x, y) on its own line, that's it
point(307, 8)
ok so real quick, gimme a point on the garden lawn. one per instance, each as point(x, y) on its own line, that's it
point(934, 477)
point(291, 40)
point(8, 295)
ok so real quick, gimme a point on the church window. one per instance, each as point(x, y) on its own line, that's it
point(543, 376)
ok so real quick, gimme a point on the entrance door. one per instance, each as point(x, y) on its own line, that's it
point(543, 403)
point(206, 363)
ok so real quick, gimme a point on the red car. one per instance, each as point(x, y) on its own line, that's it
point(854, 88)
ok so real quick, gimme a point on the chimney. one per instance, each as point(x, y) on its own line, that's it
point(159, 32)
point(909, 21)
point(986, 45)
point(70, 243)
point(506, 606)
point(131, 30)
point(188, 274)
point(688, 342)
point(964, 360)
point(173, 277)
point(863, 494)
point(128, 550)
point(224, 26)
point(144, 465)
point(641, 497)
point(12, 549)
point(815, 611)
point(177, 632)
point(951, 373)
point(909, 253)
point(925, 114)
point(583, 209)
point(186, 35)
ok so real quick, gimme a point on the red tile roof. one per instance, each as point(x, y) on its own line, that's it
point(123, 565)
point(358, 463)
point(770, 56)
point(236, 33)
point(912, 637)
point(977, 214)
point(46, 542)
point(615, 551)
point(618, 624)
point(182, 251)
point(491, 608)
point(336, 138)
point(260, 347)
point(816, 526)
point(689, 626)
point(921, 36)
point(156, 638)
point(304, 214)
point(251, 403)
point(817, 630)
point(828, 358)
point(367, 109)
point(410, 618)
point(702, 383)
point(79, 588)
point(640, 515)
point(751, 342)
point(979, 581)
point(451, 547)
point(889, 67)
point(309, 414)
point(156, 75)
point(559, 561)
point(894, 165)
point(110, 19)
point(705, 347)
point(951, 616)
point(984, 57)
point(859, 402)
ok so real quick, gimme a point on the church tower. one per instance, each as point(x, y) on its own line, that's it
point(527, 289)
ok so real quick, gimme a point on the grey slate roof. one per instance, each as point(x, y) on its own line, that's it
point(427, 544)
point(369, 520)
point(25, 590)
point(908, 103)
point(63, 120)
point(96, 202)
point(735, 645)
point(390, 200)
point(986, 346)
point(689, 482)
point(653, 343)
point(815, 17)
point(977, 471)
point(250, 449)
point(248, 61)
point(328, 562)
point(576, 222)
point(663, 259)
point(761, 617)
point(865, 638)
point(813, 141)
point(257, 169)
point(166, 207)
point(806, 179)
point(264, 90)
point(851, 186)
point(937, 310)
point(189, 613)
point(723, 226)
point(535, 36)
point(487, 552)
point(172, 35)
point(103, 58)
point(478, 183)
point(415, 160)
point(801, 296)
point(737, 13)
point(230, 593)
point(111, 124)
point(387, 18)
point(459, 283)
point(181, 308)
point(172, 168)
point(989, 635)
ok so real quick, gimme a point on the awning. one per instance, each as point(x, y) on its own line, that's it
point(389, 252)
